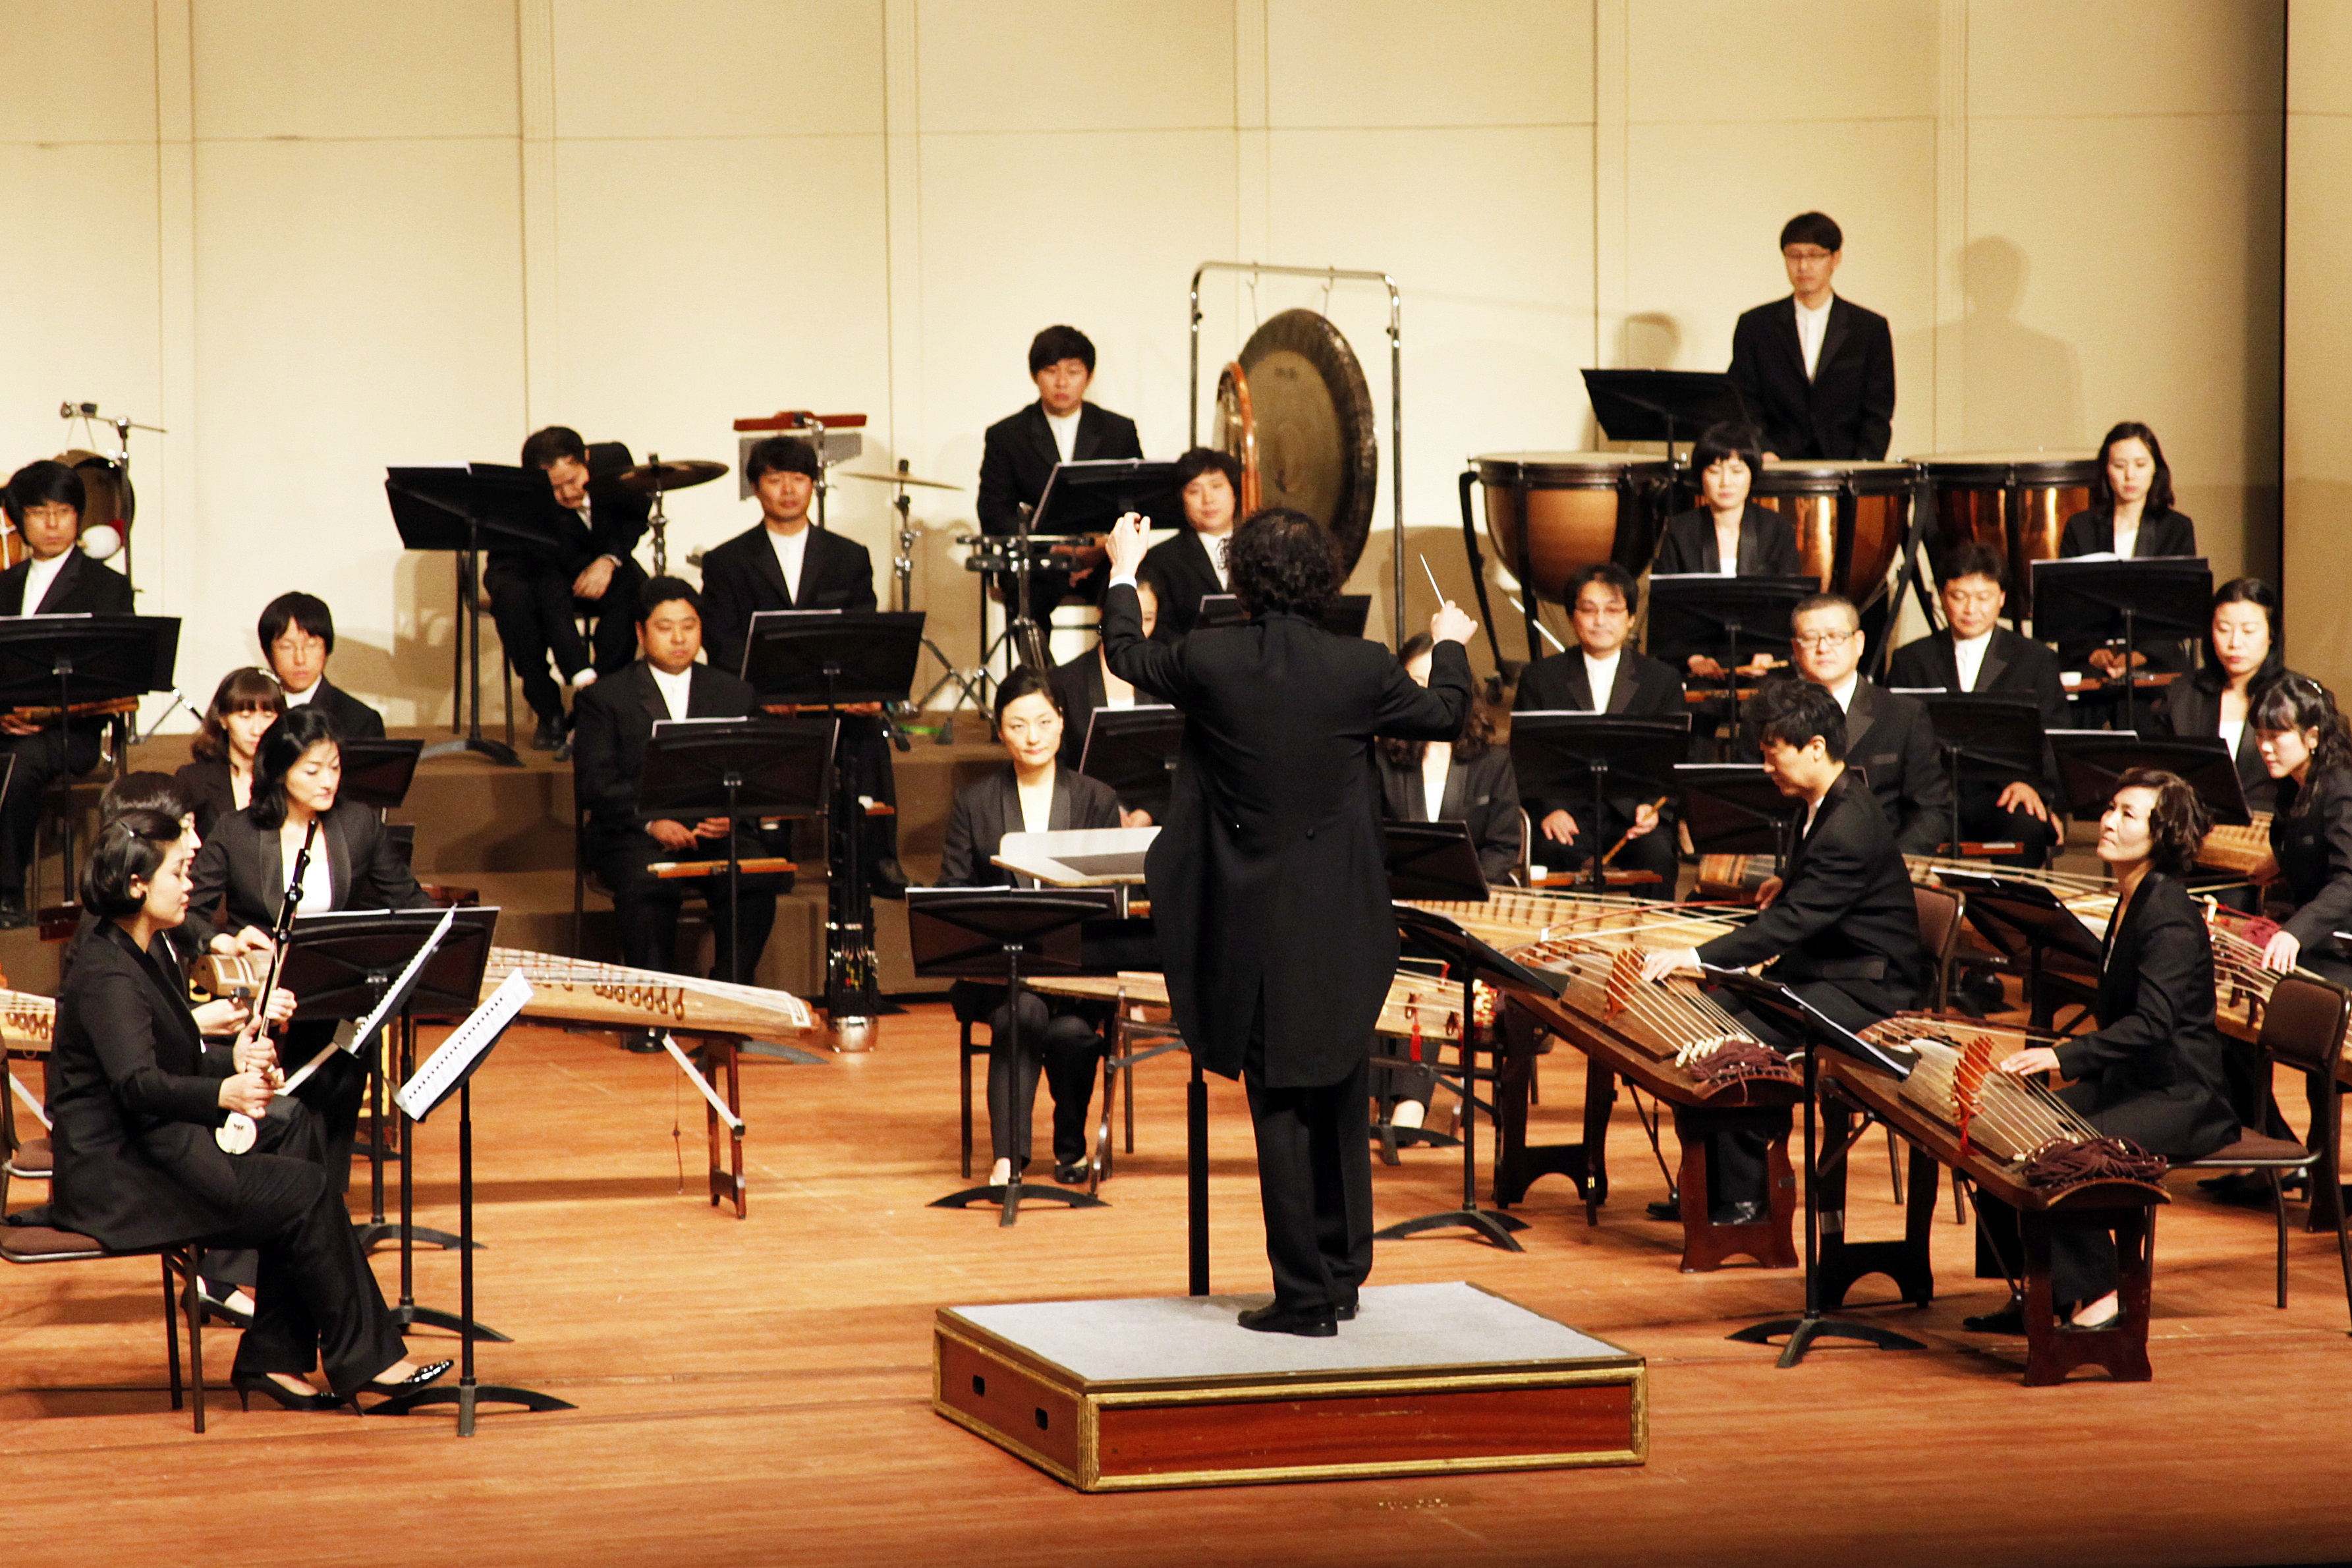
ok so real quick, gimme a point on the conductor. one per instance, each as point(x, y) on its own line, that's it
point(1275, 925)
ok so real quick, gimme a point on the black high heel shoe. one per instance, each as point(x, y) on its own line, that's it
point(430, 1373)
point(247, 1386)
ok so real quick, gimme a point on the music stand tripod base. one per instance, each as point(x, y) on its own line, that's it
point(1010, 1196)
point(466, 1397)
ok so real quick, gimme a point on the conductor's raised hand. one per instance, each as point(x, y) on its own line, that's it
point(1128, 542)
point(1450, 624)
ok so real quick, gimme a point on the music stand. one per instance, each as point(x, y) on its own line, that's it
point(2090, 761)
point(66, 659)
point(1557, 755)
point(1347, 616)
point(1734, 808)
point(1818, 1032)
point(2092, 603)
point(1731, 619)
point(2025, 918)
point(1666, 405)
point(828, 658)
point(984, 933)
point(1431, 861)
point(1994, 736)
point(378, 773)
point(344, 965)
point(1134, 750)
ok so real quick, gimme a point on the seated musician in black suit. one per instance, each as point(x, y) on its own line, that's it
point(1020, 451)
point(2242, 654)
point(1975, 653)
point(135, 1097)
point(1604, 676)
point(1031, 793)
point(1889, 736)
point(614, 722)
point(2152, 1072)
point(297, 634)
point(1729, 534)
point(220, 780)
point(536, 593)
point(244, 867)
point(1193, 565)
point(1839, 928)
point(1086, 684)
point(1467, 779)
point(788, 563)
point(44, 502)
point(2131, 516)
point(1816, 371)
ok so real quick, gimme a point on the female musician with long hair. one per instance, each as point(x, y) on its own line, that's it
point(1467, 779)
point(220, 780)
point(2307, 747)
point(2242, 651)
point(135, 1097)
point(2131, 515)
point(2152, 1072)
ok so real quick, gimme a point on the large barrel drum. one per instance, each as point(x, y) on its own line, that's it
point(1579, 508)
point(1850, 519)
point(2017, 502)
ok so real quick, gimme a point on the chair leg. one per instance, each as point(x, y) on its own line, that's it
point(2278, 1208)
point(506, 686)
point(1895, 1163)
point(172, 1329)
point(963, 1058)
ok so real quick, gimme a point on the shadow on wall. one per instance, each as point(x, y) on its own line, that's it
point(411, 679)
point(2024, 388)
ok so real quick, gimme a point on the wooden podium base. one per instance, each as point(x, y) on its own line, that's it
point(1171, 1392)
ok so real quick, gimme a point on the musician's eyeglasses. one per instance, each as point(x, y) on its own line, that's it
point(1821, 642)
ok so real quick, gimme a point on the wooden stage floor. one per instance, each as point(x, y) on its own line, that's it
point(756, 1392)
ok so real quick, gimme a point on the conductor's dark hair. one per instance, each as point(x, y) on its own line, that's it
point(2159, 490)
point(1795, 711)
point(306, 611)
point(2295, 701)
point(1478, 726)
point(2247, 591)
point(1717, 442)
point(43, 483)
point(2178, 824)
point(1027, 680)
point(1055, 344)
point(130, 849)
point(1974, 559)
point(246, 691)
point(1285, 562)
point(1610, 575)
point(282, 745)
point(660, 591)
point(1206, 460)
point(1812, 228)
point(143, 792)
point(544, 449)
point(781, 455)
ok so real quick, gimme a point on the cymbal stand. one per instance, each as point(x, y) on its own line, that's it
point(902, 567)
point(658, 521)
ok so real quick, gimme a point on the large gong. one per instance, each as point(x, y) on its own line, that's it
point(1297, 398)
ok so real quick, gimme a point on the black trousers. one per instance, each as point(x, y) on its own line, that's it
point(1982, 820)
point(1061, 1041)
point(1652, 852)
point(1738, 1138)
point(648, 905)
point(2083, 1261)
point(533, 607)
point(296, 1130)
point(41, 761)
point(1315, 1183)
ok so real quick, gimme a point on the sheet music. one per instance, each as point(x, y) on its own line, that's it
point(402, 986)
point(468, 1041)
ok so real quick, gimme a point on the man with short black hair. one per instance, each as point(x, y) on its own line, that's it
point(1019, 452)
point(1816, 371)
point(1183, 570)
point(297, 633)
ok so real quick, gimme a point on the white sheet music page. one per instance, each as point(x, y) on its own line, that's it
point(400, 987)
point(468, 1040)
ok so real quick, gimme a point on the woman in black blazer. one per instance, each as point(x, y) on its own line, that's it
point(2131, 514)
point(2153, 1072)
point(2241, 654)
point(220, 780)
point(1726, 526)
point(2307, 748)
point(1478, 787)
point(1031, 792)
point(136, 1098)
point(244, 867)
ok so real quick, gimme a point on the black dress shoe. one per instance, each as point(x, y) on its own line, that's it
point(1746, 1212)
point(1274, 1317)
point(643, 1043)
point(2010, 1320)
point(430, 1373)
point(247, 1386)
point(548, 736)
point(1346, 1314)
point(1668, 1209)
point(885, 879)
point(219, 1307)
point(1074, 1172)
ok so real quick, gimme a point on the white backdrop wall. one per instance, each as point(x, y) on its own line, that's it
point(312, 238)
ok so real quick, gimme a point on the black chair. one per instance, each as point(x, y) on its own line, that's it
point(32, 1245)
point(1941, 918)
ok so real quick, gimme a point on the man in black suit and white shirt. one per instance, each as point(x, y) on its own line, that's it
point(1019, 452)
point(45, 500)
point(297, 634)
point(1816, 371)
point(536, 593)
point(1193, 565)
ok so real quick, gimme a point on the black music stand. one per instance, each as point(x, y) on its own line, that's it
point(463, 510)
point(1134, 750)
point(831, 658)
point(66, 659)
point(2025, 918)
point(1431, 861)
point(1347, 616)
point(1668, 406)
point(745, 770)
point(378, 773)
point(2093, 603)
point(344, 965)
point(1557, 755)
point(1989, 736)
point(1734, 808)
point(1818, 1032)
point(2090, 761)
point(984, 933)
point(1731, 619)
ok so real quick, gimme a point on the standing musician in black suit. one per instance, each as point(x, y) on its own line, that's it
point(613, 723)
point(788, 563)
point(297, 634)
point(1267, 885)
point(1191, 566)
point(1840, 927)
point(1084, 686)
point(2131, 516)
point(1604, 676)
point(2152, 1072)
point(1467, 779)
point(220, 780)
point(2242, 654)
point(1032, 793)
point(1887, 735)
point(242, 868)
point(1975, 653)
point(135, 1097)
point(536, 593)
point(1020, 451)
point(1816, 373)
point(44, 502)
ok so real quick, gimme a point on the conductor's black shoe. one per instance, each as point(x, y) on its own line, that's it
point(1320, 1323)
point(887, 880)
point(1748, 1211)
point(1664, 1208)
point(643, 1043)
point(1346, 1314)
point(548, 736)
point(2010, 1320)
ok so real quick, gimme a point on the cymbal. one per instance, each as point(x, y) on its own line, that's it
point(675, 475)
point(904, 479)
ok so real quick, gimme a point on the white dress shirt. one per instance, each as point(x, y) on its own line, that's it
point(675, 689)
point(1812, 325)
point(1968, 653)
point(1436, 762)
point(37, 578)
point(1601, 674)
point(1843, 692)
point(301, 698)
point(2232, 731)
point(1038, 804)
point(1065, 431)
point(2127, 542)
point(318, 879)
point(791, 551)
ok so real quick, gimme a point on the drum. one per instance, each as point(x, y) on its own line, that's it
point(1850, 519)
point(1580, 509)
point(108, 504)
point(2018, 503)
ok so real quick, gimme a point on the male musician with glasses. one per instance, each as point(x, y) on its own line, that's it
point(1816, 371)
point(1019, 453)
point(297, 632)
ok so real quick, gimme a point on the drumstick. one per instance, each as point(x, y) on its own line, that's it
point(1657, 805)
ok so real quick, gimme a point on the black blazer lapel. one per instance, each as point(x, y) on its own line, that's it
point(266, 864)
point(1627, 686)
point(649, 697)
point(1040, 435)
point(335, 835)
point(61, 586)
point(1063, 812)
point(1784, 332)
point(1573, 676)
point(1862, 715)
point(771, 571)
point(1450, 801)
point(1834, 332)
point(1089, 437)
point(1996, 659)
